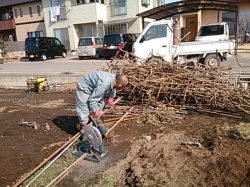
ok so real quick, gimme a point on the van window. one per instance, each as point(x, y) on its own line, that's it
point(113, 39)
point(30, 42)
point(157, 31)
point(50, 42)
point(211, 30)
point(98, 41)
point(56, 41)
point(42, 42)
point(130, 38)
point(85, 41)
point(133, 37)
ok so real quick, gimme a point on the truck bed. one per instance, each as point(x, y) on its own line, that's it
point(201, 47)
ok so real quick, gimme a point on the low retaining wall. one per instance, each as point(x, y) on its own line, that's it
point(20, 81)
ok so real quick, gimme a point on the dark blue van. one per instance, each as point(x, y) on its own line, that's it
point(43, 48)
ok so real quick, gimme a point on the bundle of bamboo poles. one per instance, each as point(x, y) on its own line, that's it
point(157, 82)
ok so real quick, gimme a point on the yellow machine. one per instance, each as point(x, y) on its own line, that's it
point(38, 84)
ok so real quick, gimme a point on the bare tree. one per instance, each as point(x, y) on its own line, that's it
point(3, 49)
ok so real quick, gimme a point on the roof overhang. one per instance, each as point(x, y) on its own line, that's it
point(119, 21)
point(189, 6)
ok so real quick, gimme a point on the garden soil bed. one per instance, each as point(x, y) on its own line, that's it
point(198, 150)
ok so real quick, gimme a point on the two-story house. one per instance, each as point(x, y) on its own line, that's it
point(80, 18)
point(20, 19)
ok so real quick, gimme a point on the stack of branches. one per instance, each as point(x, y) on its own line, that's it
point(157, 82)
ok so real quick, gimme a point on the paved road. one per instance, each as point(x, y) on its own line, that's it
point(57, 66)
point(73, 65)
point(240, 63)
point(71, 69)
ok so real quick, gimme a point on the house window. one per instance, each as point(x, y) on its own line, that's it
point(30, 11)
point(35, 34)
point(60, 8)
point(63, 35)
point(118, 7)
point(21, 12)
point(116, 28)
point(145, 2)
point(161, 2)
point(38, 8)
point(15, 13)
point(86, 31)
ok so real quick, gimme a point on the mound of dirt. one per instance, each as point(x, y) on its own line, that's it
point(191, 156)
point(198, 150)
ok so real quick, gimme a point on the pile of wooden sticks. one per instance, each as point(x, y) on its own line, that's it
point(157, 82)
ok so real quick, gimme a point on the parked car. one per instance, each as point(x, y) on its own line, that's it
point(43, 48)
point(90, 47)
point(114, 42)
point(213, 32)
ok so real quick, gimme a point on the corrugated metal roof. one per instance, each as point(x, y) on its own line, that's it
point(4, 3)
point(189, 6)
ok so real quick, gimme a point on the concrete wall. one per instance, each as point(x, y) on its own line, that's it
point(15, 81)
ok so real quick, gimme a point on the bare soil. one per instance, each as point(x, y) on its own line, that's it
point(198, 150)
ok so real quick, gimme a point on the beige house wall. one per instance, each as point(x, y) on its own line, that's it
point(50, 26)
point(78, 16)
point(210, 16)
point(133, 8)
point(22, 30)
point(26, 23)
point(96, 10)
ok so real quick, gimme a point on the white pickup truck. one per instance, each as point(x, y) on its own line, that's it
point(157, 40)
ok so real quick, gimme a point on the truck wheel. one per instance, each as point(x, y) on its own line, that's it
point(212, 61)
point(43, 57)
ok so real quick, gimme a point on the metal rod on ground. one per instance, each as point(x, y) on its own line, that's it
point(115, 102)
point(65, 172)
point(112, 128)
point(47, 159)
point(126, 119)
point(74, 138)
point(46, 167)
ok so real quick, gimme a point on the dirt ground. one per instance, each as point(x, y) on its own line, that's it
point(196, 150)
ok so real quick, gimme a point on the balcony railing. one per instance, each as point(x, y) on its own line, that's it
point(7, 24)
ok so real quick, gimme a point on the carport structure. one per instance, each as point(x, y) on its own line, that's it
point(188, 7)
